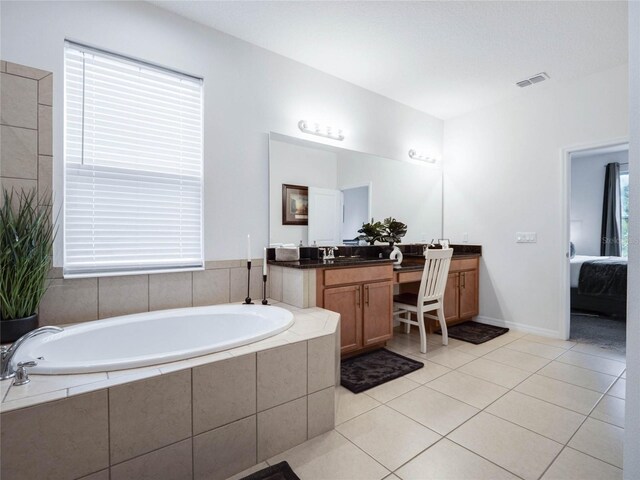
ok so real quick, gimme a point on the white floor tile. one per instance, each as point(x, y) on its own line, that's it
point(524, 361)
point(514, 448)
point(429, 372)
point(600, 352)
point(474, 391)
point(331, 456)
point(574, 465)
point(579, 376)
point(448, 461)
point(432, 409)
point(619, 389)
point(349, 405)
point(554, 342)
point(560, 393)
point(538, 349)
point(390, 390)
point(388, 436)
point(249, 471)
point(610, 410)
point(494, 372)
point(449, 357)
point(553, 422)
point(601, 440)
point(592, 362)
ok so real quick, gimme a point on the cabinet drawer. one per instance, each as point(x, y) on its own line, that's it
point(463, 264)
point(343, 276)
point(407, 277)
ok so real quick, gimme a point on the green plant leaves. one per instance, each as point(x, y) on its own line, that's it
point(390, 230)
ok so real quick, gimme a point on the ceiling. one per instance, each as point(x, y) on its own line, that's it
point(444, 58)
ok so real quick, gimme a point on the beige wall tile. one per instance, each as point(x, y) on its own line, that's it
point(282, 374)
point(19, 152)
point(58, 440)
point(19, 99)
point(45, 132)
point(281, 428)
point(69, 301)
point(45, 180)
point(213, 264)
point(101, 475)
point(238, 283)
point(123, 295)
point(3, 66)
point(321, 412)
point(17, 185)
point(224, 451)
point(210, 287)
point(275, 282)
point(173, 462)
point(149, 414)
point(223, 392)
point(45, 90)
point(322, 363)
point(295, 285)
point(25, 71)
point(170, 290)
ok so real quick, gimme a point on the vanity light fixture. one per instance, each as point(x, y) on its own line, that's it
point(421, 156)
point(320, 130)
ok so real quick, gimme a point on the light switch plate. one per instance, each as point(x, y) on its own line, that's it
point(526, 237)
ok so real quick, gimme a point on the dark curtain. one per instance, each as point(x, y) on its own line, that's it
point(611, 213)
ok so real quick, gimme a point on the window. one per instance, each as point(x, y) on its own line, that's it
point(624, 204)
point(133, 166)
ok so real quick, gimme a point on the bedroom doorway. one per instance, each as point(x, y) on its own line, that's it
point(598, 208)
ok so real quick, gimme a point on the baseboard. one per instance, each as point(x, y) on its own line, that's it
point(543, 332)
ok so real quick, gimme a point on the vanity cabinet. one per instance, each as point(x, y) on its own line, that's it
point(461, 294)
point(363, 296)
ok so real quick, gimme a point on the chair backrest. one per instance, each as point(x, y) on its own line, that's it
point(435, 273)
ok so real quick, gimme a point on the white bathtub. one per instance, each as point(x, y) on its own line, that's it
point(152, 338)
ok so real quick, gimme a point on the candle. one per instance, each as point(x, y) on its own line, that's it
point(264, 262)
point(248, 248)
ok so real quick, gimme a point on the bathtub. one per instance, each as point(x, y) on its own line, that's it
point(144, 339)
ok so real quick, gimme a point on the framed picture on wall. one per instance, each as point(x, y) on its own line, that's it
point(295, 205)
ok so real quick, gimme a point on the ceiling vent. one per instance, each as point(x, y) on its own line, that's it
point(537, 78)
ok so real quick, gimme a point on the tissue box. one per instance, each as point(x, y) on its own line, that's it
point(287, 254)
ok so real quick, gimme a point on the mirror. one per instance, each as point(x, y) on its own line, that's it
point(323, 194)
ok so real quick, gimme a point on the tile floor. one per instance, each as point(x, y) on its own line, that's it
point(518, 406)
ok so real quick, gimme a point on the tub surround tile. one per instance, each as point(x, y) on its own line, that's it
point(281, 428)
point(69, 301)
point(321, 412)
point(174, 462)
point(170, 290)
point(41, 384)
point(45, 131)
point(69, 439)
point(45, 180)
point(149, 414)
point(223, 392)
point(45, 90)
point(194, 362)
point(24, 71)
point(275, 282)
point(16, 184)
point(265, 344)
point(238, 283)
point(101, 475)
point(245, 473)
point(321, 362)
point(139, 373)
point(114, 380)
point(19, 101)
point(282, 375)
point(5, 385)
point(210, 287)
point(123, 295)
point(33, 400)
point(19, 153)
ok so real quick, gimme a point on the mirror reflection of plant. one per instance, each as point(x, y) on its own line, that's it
point(26, 246)
point(371, 232)
point(393, 230)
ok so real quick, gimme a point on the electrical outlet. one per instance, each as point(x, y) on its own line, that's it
point(526, 237)
point(465, 237)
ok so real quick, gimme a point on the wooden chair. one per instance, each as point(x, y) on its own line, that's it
point(429, 297)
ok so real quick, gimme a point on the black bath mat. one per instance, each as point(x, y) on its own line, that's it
point(279, 471)
point(474, 332)
point(374, 368)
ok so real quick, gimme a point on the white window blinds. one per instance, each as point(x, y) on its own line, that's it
point(133, 166)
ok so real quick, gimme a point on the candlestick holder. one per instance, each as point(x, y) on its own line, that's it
point(264, 290)
point(247, 301)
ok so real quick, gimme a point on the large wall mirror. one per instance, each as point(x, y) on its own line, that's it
point(323, 194)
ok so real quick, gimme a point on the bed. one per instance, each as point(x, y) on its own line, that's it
point(599, 285)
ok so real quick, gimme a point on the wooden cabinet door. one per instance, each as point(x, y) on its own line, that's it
point(468, 293)
point(451, 297)
point(347, 301)
point(377, 321)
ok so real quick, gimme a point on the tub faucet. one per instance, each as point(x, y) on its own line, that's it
point(6, 369)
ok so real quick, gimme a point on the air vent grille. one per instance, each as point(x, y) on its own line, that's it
point(537, 78)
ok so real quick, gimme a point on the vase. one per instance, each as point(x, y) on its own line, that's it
point(396, 255)
point(12, 329)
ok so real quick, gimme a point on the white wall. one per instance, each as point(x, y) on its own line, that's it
point(632, 416)
point(587, 192)
point(248, 92)
point(504, 174)
point(296, 165)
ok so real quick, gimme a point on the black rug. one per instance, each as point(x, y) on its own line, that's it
point(474, 332)
point(279, 471)
point(371, 369)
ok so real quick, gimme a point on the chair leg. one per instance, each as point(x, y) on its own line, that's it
point(443, 326)
point(423, 332)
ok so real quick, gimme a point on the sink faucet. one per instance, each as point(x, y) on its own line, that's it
point(330, 253)
point(6, 369)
